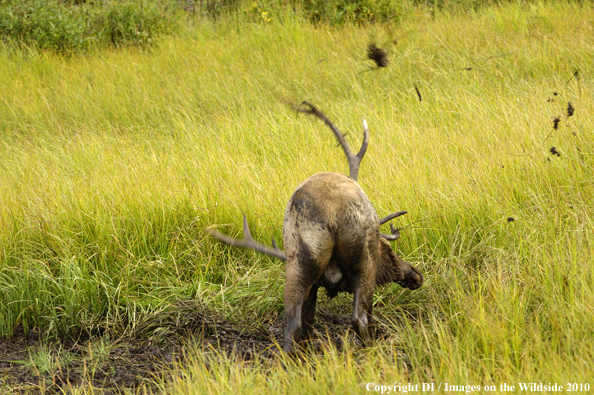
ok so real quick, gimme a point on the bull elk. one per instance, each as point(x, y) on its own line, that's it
point(332, 239)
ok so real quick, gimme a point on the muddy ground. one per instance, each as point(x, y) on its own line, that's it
point(131, 362)
point(111, 366)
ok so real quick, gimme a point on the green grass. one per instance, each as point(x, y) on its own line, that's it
point(113, 164)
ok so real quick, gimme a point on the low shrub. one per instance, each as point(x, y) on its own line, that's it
point(69, 26)
point(346, 11)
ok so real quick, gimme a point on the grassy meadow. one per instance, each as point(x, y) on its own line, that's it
point(113, 163)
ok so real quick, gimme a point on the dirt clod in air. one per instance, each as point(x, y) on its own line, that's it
point(570, 109)
point(378, 55)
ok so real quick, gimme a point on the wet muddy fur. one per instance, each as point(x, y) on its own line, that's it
point(332, 239)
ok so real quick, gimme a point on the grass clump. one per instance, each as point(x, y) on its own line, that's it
point(45, 360)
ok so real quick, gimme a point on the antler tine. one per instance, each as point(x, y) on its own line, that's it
point(395, 233)
point(365, 143)
point(354, 160)
point(249, 242)
point(247, 235)
point(392, 216)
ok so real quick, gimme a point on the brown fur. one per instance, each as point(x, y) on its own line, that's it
point(332, 239)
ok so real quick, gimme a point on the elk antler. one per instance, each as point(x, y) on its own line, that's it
point(248, 242)
point(354, 160)
point(395, 231)
point(392, 216)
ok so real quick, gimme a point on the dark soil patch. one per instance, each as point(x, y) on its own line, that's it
point(133, 362)
point(122, 364)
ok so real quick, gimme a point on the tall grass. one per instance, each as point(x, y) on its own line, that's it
point(112, 165)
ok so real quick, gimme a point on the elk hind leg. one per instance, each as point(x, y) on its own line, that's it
point(304, 267)
point(299, 308)
point(300, 298)
point(362, 319)
point(308, 312)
